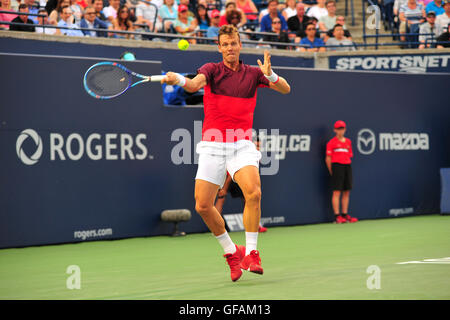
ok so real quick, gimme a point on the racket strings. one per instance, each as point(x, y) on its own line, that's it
point(107, 80)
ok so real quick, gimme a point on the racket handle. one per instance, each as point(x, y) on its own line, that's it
point(156, 78)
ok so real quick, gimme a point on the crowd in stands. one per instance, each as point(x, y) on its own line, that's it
point(313, 25)
point(418, 21)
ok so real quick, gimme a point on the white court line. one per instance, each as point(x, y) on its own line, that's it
point(429, 261)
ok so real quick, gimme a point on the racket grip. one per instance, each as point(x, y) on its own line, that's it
point(156, 78)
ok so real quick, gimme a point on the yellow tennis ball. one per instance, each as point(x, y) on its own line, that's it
point(183, 44)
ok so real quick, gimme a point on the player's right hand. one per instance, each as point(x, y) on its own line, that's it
point(170, 78)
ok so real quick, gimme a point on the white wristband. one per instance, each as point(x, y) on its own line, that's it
point(273, 77)
point(181, 80)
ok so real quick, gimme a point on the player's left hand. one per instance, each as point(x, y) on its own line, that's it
point(266, 68)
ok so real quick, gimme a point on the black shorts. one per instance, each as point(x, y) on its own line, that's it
point(342, 178)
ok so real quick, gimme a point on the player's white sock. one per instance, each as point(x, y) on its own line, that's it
point(226, 243)
point(251, 240)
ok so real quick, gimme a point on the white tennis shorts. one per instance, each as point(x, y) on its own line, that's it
point(216, 158)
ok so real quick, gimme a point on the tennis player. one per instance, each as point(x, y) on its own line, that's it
point(229, 101)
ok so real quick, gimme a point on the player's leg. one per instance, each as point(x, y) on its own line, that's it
point(210, 176)
point(205, 194)
point(219, 203)
point(249, 181)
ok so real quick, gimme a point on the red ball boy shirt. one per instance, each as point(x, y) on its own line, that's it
point(340, 152)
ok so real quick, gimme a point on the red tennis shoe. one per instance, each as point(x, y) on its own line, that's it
point(340, 219)
point(350, 219)
point(252, 262)
point(262, 229)
point(234, 261)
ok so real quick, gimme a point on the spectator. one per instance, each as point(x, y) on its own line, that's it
point(338, 160)
point(122, 23)
point(44, 21)
point(231, 5)
point(328, 22)
point(411, 15)
point(290, 10)
point(147, 14)
point(426, 40)
point(110, 11)
point(83, 3)
point(266, 21)
point(436, 7)
point(313, 43)
point(15, 5)
point(340, 40)
point(298, 22)
point(91, 21)
point(279, 36)
point(248, 7)
point(77, 11)
point(341, 20)
point(66, 21)
point(444, 37)
point(98, 6)
point(185, 25)
point(188, 5)
point(318, 11)
point(387, 7)
point(51, 5)
point(32, 8)
point(213, 30)
point(23, 8)
point(212, 5)
point(5, 5)
point(168, 14)
point(203, 20)
point(443, 20)
point(397, 5)
point(55, 15)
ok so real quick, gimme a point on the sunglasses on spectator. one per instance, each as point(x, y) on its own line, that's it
point(276, 22)
point(234, 17)
point(89, 13)
point(309, 29)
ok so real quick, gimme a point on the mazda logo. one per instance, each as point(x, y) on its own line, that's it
point(366, 141)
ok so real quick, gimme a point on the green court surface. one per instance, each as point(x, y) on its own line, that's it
point(322, 261)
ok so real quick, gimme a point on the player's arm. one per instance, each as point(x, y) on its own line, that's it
point(277, 83)
point(190, 85)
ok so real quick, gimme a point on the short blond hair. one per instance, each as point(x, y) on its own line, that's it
point(229, 30)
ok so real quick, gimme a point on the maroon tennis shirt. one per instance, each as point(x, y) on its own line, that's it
point(229, 101)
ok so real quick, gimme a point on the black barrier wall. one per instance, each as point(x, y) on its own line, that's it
point(74, 168)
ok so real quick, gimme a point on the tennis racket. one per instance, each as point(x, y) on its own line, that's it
point(106, 80)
